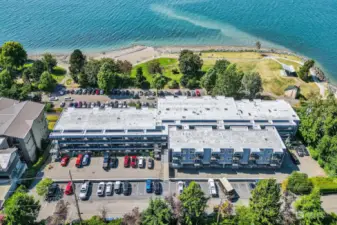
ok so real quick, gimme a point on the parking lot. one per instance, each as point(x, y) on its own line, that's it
point(118, 204)
point(94, 171)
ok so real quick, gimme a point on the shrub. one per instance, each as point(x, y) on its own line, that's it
point(52, 118)
point(48, 107)
point(299, 183)
point(42, 186)
point(175, 71)
point(173, 84)
point(326, 185)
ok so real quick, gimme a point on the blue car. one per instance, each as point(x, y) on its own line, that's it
point(148, 186)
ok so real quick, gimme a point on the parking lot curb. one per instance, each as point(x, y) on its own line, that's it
point(104, 180)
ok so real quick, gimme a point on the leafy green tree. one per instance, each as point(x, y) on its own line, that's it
point(229, 82)
point(42, 186)
point(158, 213)
point(159, 82)
point(173, 84)
point(13, 55)
point(37, 69)
point(91, 69)
point(193, 203)
point(154, 67)
point(21, 209)
point(184, 80)
point(243, 215)
point(140, 79)
point(124, 67)
point(107, 77)
point(208, 80)
point(192, 83)
point(26, 74)
point(265, 203)
point(309, 209)
point(303, 72)
point(76, 61)
point(189, 63)
point(251, 85)
point(221, 65)
point(299, 183)
point(24, 91)
point(83, 79)
point(49, 62)
point(46, 83)
point(6, 80)
point(258, 45)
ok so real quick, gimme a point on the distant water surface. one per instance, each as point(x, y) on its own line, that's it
point(308, 27)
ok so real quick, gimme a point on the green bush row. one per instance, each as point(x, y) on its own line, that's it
point(326, 185)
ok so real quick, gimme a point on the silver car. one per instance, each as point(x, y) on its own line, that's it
point(84, 191)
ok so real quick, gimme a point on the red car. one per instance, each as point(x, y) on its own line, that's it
point(126, 161)
point(69, 188)
point(65, 160)
point(79, 159)
point(133, 161)
point(197, 92)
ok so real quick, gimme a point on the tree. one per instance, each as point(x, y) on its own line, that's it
point(106, 77)
point(13, 55)
point(229, 82)
point(37, 69)
point(159, 82)
point(49, 62)
point(91, 69)
point(124, 66)
point(21, 209)
point(221, 65)
point(176, 207)
point(157, 213)
point(208, 80)
point(140, 79)
point(26, 74)
point(83, 79)
point(43, 185)
point(189, 63)
point(258, 45)
point(251, 85)
point(46, 82)
point(193, 202)
point(76, 61)
point(309, 209)
point(243, 215)
point(173, 84)
point(303, 72)
point(132, 218)
point(154, 67)
point(265, 202)
point(299, 183)
point(192, 83)
point(6, 80)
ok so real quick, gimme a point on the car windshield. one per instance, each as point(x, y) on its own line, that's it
point(83, 190)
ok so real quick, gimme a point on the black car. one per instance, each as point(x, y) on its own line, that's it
point(294, 158)
point(150, 163)
point(98, 103)
point(52, 191)
point(157, 187)
point(300, 152)
point(106, 161)
point(113, 162)
point(126, 188)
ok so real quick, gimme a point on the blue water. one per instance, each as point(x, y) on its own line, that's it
point(308, 27)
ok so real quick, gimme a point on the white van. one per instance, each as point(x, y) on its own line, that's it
point(211, 188)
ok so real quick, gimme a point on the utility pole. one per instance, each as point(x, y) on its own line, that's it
point(76, 200)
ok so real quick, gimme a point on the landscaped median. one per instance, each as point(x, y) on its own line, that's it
point(326, 185)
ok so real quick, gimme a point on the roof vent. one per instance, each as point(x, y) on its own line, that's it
point(118, 118)
point(167, 109)
point(226, 109)
point(207, 108)
point(185, 109)
point(78, 118)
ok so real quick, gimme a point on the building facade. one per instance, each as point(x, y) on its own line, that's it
point(130, 130)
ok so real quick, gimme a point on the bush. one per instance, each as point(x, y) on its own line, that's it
point(48, 107)
point(42, 186)
point(326, 185)
point(299, 183)
point(52, 118)
point(175, 71)
point(173, 84)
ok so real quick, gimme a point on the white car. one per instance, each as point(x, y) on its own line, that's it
point(108, 189)
point(84, 190)
point(100, 189)
point(212, 188)
point(118, 186)
point(53, 98)
point(181, 186)
point(141, 161)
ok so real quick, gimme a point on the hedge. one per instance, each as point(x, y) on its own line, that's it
point(326, 185)
point(52, 118)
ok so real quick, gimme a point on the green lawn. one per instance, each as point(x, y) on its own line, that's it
point(167, 64)
point(58, 73)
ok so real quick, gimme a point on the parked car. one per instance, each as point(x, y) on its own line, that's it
point(212, 188)
point(126, 188)
point(71, 104)
point(68, 99)
point(300, 152)
point(252, 186)
point(294, 158)
point(106, 160)
point(53, 98)
point(118, 186)
point(86, 160)
point(181, 186)
point(133, 161)
point(109, 188)
point(126, 161)
point(84, 191)
point(52, 191)
point(197, 92)
point(65, 160)
point(100, 189)
point(141, 162)
point(62, 104)
point(150, 163)
point(101, 92)
point(113, 163)
point(157, 188)
point(69, 189)
point(79, 160)
point(148, 186)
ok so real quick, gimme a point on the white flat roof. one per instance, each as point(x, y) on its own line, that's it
point(109, 118)
point(222, 108)
point(236, 139)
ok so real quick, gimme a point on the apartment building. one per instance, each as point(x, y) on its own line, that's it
point(256, 129)
point(23, 125)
